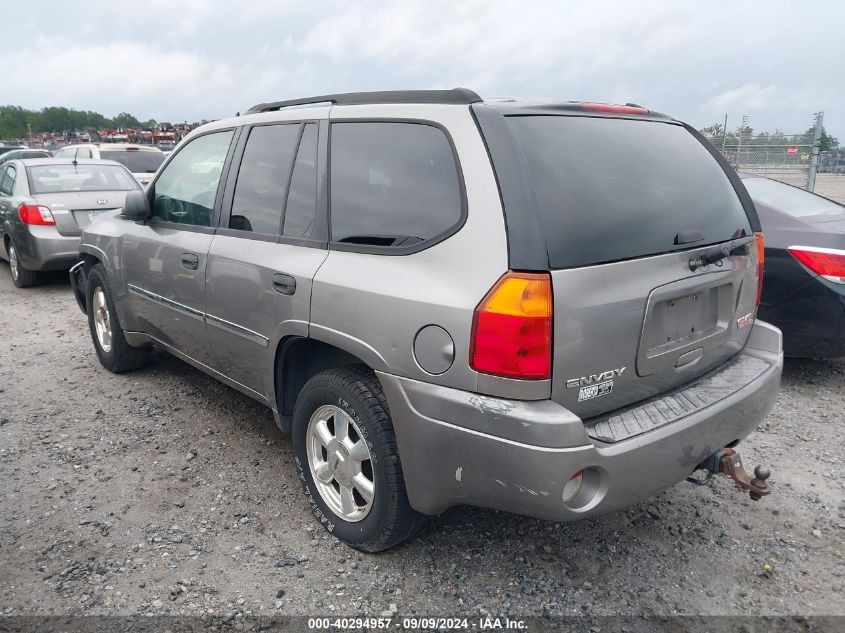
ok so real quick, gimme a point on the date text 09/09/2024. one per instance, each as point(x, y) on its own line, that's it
point(418, 623)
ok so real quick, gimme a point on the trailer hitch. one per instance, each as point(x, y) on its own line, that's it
point(727, 461)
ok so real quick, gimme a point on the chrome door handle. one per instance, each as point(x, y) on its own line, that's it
point(284, 284)
point(190, 261)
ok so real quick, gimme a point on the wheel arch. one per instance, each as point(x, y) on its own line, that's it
point(298, 359)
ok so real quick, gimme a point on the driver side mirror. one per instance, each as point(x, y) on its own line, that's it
point(137, 207)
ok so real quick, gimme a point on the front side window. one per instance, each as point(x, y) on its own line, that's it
point(393, 185)
point(262, 179)
point(185, 191)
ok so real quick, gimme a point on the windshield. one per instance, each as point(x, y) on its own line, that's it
point(791, 200)
point(136, 161)
point(611, 189)
point(60, 178)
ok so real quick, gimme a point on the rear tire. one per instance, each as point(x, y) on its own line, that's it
point(114, 352)
point(21, 277)
point(363, 461)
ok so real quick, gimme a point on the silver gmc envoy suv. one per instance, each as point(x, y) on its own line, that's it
point(543, 308)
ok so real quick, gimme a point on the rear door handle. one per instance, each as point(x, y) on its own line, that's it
point(190, 261)
point(284, 284)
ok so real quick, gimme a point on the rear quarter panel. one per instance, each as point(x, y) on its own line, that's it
point(374, 305)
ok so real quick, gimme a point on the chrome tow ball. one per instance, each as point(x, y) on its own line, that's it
point(728, 462)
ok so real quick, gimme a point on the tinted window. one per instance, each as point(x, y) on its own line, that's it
point(26, 153)
point(392, 184)
point(610, 189)
point(186, 189)
point(7, 181)
point(790, 200)
point(301, 208)
point(263, 178)
point(69, 177)
point(136, 161)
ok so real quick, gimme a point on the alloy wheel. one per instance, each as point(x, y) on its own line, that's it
point(102, 320)
point(340, 463)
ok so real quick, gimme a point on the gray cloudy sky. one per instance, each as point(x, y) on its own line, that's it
point(776, 61)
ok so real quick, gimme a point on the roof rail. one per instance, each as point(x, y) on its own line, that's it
point(455, 96)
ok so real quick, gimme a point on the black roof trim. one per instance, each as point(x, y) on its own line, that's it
point(458, 96)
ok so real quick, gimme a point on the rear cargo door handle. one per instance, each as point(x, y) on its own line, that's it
point(284, 284)
point(190, 261)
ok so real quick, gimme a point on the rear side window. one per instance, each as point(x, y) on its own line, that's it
point(7, 181)
point(262, 179)
point(393, 185)
point(612, 189)
point(301, 208)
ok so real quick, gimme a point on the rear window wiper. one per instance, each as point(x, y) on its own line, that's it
point(716, 254)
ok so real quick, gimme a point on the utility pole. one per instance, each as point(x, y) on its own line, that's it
point(29, 127)
point(724, 133)
point(814, 153)
point(739, 140)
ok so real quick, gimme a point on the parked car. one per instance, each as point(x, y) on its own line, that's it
point(5, 149)
point(45, 204)
point(446, 302)
point(19, 154)
point(141, 160)
point(804, 291)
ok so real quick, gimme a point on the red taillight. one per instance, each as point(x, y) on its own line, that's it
point(611, 107)
point(512, 328)
point(761, 259)
point(35, 214)
point(826, 262)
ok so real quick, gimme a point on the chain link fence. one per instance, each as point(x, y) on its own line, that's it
point(777, 155)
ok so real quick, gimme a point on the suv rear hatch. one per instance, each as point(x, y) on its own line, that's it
point(625, 206)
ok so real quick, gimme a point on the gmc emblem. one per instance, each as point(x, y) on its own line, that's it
point(745, 321)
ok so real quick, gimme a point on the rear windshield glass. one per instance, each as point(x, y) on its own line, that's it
point(611, 189)
point(138, 162)
point(58, 178)
point(791, 200)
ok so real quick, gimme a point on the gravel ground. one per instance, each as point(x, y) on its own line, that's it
point(163, 492)
point(832, 186)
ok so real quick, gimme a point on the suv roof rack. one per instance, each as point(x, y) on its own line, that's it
point(457, 96)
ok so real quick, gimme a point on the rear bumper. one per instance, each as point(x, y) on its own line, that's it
point(42, 248)
point(812, 320)
point(523, 458)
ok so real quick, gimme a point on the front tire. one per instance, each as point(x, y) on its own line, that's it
point(114, 352)
point(348, 460)
point(21, 277)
